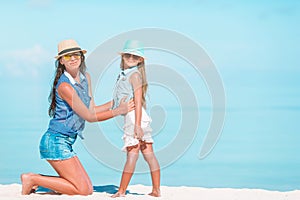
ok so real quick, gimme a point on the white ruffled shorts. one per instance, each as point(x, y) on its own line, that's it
point(129, 122)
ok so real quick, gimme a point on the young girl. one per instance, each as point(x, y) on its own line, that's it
point(137, 131)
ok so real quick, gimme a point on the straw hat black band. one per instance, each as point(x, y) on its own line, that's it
point(69, 50)
point(68, 46)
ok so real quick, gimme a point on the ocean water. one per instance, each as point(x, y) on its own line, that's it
point(258, 148)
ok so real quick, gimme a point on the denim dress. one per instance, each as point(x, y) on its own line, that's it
point(56, 143)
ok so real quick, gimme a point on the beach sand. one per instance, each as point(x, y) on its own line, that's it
point(136, 192)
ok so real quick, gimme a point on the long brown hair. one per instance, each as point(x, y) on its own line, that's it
point(141, 68)
point(60, 69)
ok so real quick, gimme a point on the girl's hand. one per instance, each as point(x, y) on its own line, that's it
point(125, 107)
point(138, 132)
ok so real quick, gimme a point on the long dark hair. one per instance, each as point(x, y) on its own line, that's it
point(60, 69)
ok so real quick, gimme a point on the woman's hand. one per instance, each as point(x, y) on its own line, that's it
point(138, 132)
point(125, 107)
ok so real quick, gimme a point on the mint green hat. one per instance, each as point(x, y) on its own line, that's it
point(134, 47)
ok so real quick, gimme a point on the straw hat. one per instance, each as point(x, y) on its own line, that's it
point(68, 46)
point(134, 47)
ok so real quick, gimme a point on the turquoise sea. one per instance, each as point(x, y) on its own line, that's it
point(258, 148)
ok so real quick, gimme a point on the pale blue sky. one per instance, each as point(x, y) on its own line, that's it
point(236, 34)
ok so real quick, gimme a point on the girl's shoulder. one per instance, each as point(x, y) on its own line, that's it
point(135, 78)
point(134, 72)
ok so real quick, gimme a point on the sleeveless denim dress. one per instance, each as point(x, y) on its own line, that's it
point(124, 88)
point(56, 143)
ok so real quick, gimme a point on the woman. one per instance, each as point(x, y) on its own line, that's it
point(71, 105)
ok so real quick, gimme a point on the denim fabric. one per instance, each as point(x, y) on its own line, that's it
point(56, 146)
point(65, 120)
point(123, 86)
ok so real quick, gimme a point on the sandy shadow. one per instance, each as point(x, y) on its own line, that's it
point(42, 191)
point(111, 189)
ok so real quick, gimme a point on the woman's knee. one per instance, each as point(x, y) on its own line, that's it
point(86, 190)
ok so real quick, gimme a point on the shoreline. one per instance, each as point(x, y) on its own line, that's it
point(135, 192)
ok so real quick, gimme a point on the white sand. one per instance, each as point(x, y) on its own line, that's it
point(13, 191)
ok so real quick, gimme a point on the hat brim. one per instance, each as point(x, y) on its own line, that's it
point(59, 56)
point(133, 53)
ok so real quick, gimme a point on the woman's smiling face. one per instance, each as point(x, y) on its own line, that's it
point(71, 61)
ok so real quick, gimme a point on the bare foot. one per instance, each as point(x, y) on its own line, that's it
point(155, 193)
point(118, 195)
point(27, 185)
